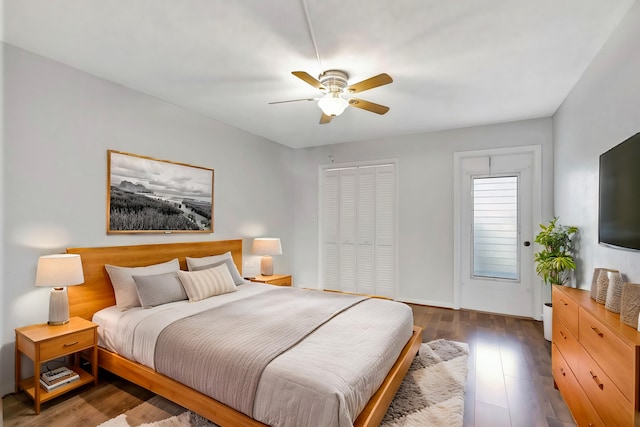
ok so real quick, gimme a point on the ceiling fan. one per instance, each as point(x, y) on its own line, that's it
point(334, 84)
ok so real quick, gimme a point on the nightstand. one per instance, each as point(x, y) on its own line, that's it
point(42, 343)
point(274, 279)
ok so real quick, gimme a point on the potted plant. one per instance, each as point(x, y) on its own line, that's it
point(554, 260)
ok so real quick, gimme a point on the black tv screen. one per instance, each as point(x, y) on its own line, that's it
point(619, 202)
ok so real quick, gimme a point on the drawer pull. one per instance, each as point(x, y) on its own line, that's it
point(595, 378)
point(563, 302)
point(71, 344)
point(563, 335)
point(594, 329)
point(564, 374)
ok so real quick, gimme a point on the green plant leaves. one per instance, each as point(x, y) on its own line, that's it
point(555, 259)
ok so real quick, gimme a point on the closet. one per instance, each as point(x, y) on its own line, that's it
point(358, 229)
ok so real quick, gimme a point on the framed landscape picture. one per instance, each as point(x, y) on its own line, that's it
point(147, 195)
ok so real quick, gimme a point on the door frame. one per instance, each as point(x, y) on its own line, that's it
point(536, 215)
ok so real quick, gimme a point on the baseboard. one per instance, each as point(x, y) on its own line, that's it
point(425, 302)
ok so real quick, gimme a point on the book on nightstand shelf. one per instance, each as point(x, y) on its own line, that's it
point(57, 378)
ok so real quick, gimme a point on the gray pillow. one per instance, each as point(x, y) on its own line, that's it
point(159, 289)
point(237, 279)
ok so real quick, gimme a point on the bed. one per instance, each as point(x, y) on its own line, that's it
point(97, 296)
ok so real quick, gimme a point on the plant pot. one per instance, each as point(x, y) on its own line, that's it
point(547, 316)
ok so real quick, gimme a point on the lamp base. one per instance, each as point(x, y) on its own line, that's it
point(266, 266)
point(58, 307)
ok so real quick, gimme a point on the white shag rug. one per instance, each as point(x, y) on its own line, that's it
point(432, 393)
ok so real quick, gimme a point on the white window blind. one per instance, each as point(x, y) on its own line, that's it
point(495, 227)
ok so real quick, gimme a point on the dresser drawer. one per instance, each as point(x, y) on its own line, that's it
point(565, 310)
point(615, 357)
point(612, 406)
point(67, 343)
point(577, 401)
point(567, 344)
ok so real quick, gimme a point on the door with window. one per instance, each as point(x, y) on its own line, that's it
point(495, 271)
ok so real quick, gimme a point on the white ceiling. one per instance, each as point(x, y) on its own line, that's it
point(455, 63)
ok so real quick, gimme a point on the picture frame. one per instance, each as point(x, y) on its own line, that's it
point(148, 195)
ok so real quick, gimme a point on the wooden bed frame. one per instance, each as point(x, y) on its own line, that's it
point(97, 293)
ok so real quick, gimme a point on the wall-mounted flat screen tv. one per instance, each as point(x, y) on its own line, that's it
point(619, 201)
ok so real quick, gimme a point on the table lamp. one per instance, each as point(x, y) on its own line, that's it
point(266, 246)
point(59, 271)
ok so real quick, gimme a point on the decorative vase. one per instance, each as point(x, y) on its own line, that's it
point(614, 291)
point(630, 304)
point(594, 283)
point(603, 285)
point(547, 320)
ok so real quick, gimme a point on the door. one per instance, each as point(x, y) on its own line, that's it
point(358, 229)
point(495, 271)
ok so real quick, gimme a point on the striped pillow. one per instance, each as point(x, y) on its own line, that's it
point(207, 283)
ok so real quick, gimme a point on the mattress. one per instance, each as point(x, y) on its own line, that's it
point(326, 379)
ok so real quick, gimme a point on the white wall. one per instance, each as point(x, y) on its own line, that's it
point(602, 110)
point(3, 295)
point(425, 197)
point(59, 124)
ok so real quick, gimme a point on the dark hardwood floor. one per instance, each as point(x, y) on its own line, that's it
point(509, 381)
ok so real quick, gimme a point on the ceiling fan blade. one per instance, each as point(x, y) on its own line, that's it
point(294, 100)
point(379, 80)
point(324, 119)
point(302, 75)
point(369, 106)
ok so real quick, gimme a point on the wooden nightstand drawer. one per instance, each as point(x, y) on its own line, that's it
point(67, 343)
point(285, 281)
point(276, 279)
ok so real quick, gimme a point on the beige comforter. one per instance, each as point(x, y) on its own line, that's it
point(224, 350)
point(324, 380)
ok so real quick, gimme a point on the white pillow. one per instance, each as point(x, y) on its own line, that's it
point(124, 286)
point(207, 283)
point(194, 264)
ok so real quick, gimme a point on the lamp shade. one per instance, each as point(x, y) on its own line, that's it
point(59, 270)
point(266, 246)
point(332, 104)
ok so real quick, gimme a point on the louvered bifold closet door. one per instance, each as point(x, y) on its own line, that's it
point(366, 230)
point(330, 229)
point(348, 232)
point(358, 230)
point(385, 231)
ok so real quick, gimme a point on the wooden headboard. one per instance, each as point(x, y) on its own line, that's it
point(97, 293)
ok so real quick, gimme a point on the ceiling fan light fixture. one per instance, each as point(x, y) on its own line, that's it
point(332, 104)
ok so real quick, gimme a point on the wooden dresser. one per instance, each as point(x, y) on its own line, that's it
point(595, 361)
